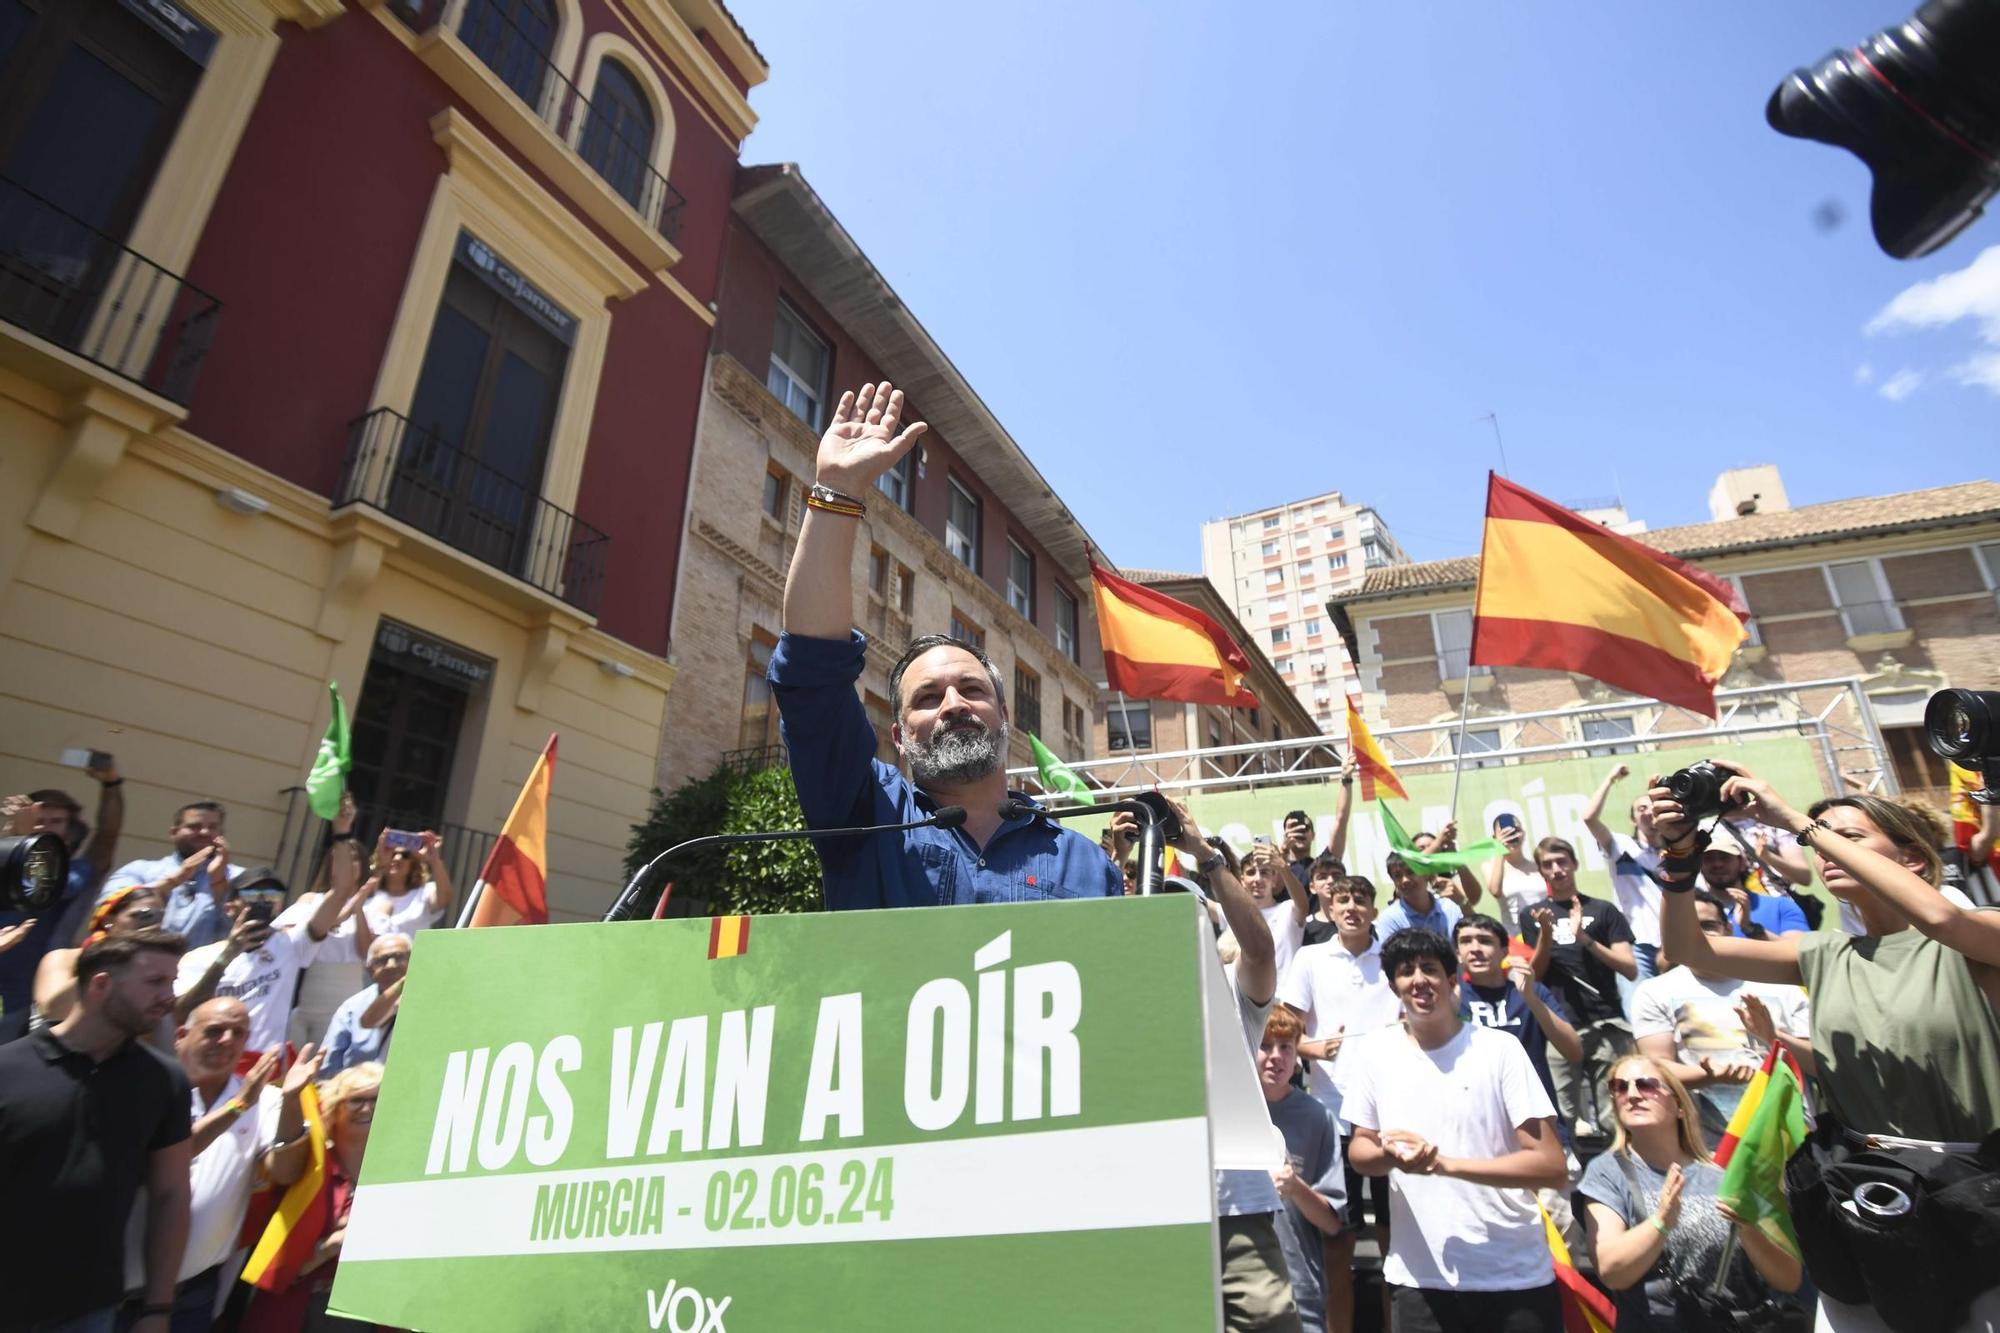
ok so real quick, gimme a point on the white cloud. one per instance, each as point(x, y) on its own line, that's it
point(1864, 373)
point(1901, 385)
point(1970, 293)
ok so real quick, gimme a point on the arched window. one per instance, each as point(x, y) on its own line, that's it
point(618, 134)
point(515, 39)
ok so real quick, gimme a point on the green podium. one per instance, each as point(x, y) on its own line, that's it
point(975, 1117)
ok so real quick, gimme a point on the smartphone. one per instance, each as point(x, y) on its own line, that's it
point(85, 759)
point(400, 841)
point(260, 905)
point(1261, 838)
point(1507, 821)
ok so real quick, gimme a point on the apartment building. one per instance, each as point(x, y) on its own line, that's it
point(1899, 593)
point(1277, 568)
point(963, 536)
point(363, 341)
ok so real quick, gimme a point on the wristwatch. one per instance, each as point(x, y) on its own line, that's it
point(1208, 865)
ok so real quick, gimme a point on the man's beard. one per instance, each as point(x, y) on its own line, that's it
point(956, 756)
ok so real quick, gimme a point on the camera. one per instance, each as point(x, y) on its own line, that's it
point(1919, 104)
point(1163, 814)
point(34, 869)
point(1698, 789)
point(1964, 727)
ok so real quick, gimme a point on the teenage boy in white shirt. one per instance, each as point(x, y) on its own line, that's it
point(1454, 1116)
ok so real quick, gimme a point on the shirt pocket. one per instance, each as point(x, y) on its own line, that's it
point(938, 864)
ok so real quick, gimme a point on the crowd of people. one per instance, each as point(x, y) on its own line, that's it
point(162, 1022)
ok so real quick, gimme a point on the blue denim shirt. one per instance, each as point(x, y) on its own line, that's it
point(841, 783)
point(347, 1043)
point(191, 909)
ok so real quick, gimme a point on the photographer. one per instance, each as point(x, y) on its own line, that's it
point(1904, 1023)
point(25, 939)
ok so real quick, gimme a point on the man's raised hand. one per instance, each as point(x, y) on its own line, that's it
point(863, 443)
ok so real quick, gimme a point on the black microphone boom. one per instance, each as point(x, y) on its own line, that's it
point(949, 817)
point(1150, 849)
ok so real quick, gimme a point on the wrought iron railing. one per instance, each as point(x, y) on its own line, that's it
point(521, 61)
point(754, 759)
point(431, 484)
point(303, 840)
point(64, 280)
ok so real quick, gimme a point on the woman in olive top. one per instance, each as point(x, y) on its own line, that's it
point(1906, 1017)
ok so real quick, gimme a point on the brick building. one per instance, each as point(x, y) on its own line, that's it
point(963, 537)
point(1146, 726)
point(1277, 568)
point(356, 340)
point(1899, 592)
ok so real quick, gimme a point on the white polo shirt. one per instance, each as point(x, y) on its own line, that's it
point(1337, 990)
point(222, 1177)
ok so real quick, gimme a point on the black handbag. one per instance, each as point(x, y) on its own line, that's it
point(1912, 1232)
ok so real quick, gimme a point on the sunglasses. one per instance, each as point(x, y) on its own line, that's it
point(1652, 1087)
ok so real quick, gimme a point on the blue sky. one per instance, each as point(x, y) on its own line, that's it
point(1204, 258)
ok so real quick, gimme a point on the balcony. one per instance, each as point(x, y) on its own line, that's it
point(68, 283)
point(419, 478)
point(505, 74)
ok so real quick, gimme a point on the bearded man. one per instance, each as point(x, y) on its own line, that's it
point(950, 728)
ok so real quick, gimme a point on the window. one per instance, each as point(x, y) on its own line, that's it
point(513, 38)
point(800, 360)
point(1371, 554)
point(618, 136)
point(1756, 636)
point(758, 726)
point(1274, 577)
point(1066, 641)
point(1338, 560)
point(1214, 733)
point(777, 489)
point(1270, 550)
point(1917, 768)
point(967, 630)
point(895, 483)
point(906, 589)
point(1129, 725)
point(1076, 729)
point(1609, 728)
point(1272, 522)
point(1020, 579)
point(1027, 699)
point(1281, 635)
point(1284, 666)
point(1275, 607)
point(1312, 628)
point(1335, 534)
point(1478, 740)
point(1989, 556)
point(1862, 595)
point(961, 526)
point(878, 572)
point(1452, 631)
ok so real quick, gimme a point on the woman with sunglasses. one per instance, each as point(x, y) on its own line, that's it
point(1656, 1230)
point(1905, 1016)
point(347, 1108)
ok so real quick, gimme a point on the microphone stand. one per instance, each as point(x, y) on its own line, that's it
point(950, 817)
point(1151, 849)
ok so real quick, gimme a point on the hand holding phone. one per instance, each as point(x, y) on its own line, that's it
point(399, 840)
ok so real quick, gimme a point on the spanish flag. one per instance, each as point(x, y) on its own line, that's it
point(1158, 648)
point(1368, 756)
point(513, 888)
point(1585, 1309)
point(304, 1213)
point(728, 937)
point(1560, 592)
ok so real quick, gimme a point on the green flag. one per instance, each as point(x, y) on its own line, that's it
point(1055, 774)
point(1435, 863)
point(336, 755)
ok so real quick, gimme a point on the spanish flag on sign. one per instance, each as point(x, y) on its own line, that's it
point(1561, 592)
point(1158, 648)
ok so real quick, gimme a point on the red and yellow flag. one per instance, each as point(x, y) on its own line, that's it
point(1368, 757)
point(1158, 648)
point(513, 888)
point(303, 1215)
point(1560, 592)
point(728, 936)
point(1585, 1309)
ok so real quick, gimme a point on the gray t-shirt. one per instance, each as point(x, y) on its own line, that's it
point(1312, 1143)
point(1694, 1247)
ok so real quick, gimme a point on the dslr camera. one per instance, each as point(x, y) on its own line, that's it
point(1963, 726)
point(1698, 788)
point(34, 868)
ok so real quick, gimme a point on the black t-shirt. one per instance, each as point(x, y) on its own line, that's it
point(75, 1139)
point(1589, 988)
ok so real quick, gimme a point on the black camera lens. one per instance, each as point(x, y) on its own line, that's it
point(1963, 724)
point(1170, 823)
point(33, 871)
point(1698, 789)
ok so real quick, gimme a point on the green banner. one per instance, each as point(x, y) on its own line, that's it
point(866, 1119)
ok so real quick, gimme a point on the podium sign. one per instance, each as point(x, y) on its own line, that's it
point(968, 1117)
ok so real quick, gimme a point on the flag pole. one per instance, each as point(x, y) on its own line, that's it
point(472, 900)
point(1125, 716)
point(1458, 759)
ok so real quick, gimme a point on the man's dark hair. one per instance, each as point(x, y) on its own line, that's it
point(213, 807)
point(1392, 862)
point(1480, 921)
point(1359, 885)
point(1547, 845)
point(114, 953)
point(922, 644)
point(56, 796)
point(1407, 946)
point(1326, 864)
point(1719, 901)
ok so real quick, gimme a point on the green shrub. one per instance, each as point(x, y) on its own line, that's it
point(758, 878)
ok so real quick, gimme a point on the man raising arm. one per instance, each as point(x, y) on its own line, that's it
point(950, 729)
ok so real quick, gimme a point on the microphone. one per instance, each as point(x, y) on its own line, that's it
point(948, 817)
point(1150, 848)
